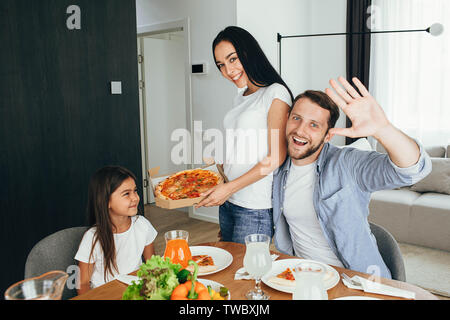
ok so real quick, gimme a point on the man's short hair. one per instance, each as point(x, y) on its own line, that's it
point(324, 101)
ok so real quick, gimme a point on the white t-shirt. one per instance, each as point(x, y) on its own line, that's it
point(129, 248)
point(306, 233)
point(247, 143)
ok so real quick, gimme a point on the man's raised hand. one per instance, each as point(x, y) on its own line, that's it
point(367, 117)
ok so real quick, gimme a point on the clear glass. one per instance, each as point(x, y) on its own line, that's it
point(48, 286)
point(309, 283)
point(257, 262)
point(177, 248)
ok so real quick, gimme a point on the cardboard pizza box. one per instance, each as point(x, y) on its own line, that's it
point(155, 178)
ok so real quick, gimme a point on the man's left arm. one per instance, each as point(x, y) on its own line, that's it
point(369, 119)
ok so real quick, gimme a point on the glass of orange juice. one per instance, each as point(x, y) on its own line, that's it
point(177, 248)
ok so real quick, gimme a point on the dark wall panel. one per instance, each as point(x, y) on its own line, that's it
point(58, 119)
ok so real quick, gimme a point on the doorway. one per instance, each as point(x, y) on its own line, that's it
point(164, 95)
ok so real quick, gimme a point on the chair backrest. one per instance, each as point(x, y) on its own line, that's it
point(55, 252)
point(390, 251)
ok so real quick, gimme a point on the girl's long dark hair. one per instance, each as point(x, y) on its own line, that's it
point(102, 184)
point(256, 65)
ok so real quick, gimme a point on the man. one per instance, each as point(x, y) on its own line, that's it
point(321, 193)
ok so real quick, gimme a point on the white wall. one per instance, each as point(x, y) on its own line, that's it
point(307, 63)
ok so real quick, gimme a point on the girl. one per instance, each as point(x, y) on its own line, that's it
point(118, 238)
point(261, 105)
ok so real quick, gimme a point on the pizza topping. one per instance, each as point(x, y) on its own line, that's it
point(286, 274)
point(187, 184)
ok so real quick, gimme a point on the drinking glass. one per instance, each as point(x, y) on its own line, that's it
point(257, 262)
point(309, 284)
point(177, 248)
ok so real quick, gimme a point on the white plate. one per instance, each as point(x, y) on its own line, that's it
point(222, 258)
point(281, 265)
point(214, 285)
point(356, 298)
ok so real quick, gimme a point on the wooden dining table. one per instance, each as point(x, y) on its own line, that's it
point(238, 288)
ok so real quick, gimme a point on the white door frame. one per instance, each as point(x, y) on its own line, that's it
point(142, 31)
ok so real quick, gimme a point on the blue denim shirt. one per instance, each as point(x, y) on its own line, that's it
point(345, 179)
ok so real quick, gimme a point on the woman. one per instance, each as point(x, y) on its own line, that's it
point(261, 106)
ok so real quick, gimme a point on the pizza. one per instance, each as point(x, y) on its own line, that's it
point(205, 263)
point(287, 279)
point(187, 184)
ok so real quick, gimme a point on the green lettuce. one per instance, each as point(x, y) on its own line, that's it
point(157, 279)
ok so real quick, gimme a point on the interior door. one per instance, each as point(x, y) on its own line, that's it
point(165, 107)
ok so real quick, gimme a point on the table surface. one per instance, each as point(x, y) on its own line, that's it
point(113, 290)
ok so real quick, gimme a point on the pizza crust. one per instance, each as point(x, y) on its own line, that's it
point(202, 269)
point(282, 282)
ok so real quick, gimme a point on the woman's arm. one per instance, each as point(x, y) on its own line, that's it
point(86, 270)
point(276, 125)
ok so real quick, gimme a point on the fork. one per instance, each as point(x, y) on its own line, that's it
point(352, 281)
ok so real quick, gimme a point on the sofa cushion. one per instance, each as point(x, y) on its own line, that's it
point(436, 151)
point(438, 180)
point(361, 144)
point(430, 221)
point(391, 209)
point(433, 151)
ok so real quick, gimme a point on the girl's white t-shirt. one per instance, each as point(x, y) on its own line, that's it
point(129, 248)
point(247, 143)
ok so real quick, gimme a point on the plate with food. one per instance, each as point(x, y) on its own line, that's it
point(281, 278)
point(159, 279)
point(210, 259)
point(187, 184)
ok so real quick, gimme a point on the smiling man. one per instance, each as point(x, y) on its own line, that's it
point(321, 193)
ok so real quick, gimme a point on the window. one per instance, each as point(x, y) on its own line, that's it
point(410, 72)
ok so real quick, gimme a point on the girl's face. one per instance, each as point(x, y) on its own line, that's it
point(229, 64)
point(125, 199)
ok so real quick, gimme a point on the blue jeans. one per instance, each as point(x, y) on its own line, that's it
point(237, 222)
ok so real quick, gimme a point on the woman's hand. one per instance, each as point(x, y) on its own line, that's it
point(216, 196)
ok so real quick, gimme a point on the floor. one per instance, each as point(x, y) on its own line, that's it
point(201, 231)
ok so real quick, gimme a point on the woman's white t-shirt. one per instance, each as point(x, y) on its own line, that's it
point(129, 248)
point(247, 143)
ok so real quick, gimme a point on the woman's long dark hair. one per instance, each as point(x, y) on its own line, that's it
point(256, 65)
point(102, 184)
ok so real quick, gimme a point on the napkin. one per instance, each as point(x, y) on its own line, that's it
point(378, 288)
point(127, 279)
point(242, 274)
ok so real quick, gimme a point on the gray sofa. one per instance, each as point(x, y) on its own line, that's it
point(419, 214)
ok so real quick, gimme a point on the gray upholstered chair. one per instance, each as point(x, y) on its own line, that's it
point(390, 251)
point(55, 252)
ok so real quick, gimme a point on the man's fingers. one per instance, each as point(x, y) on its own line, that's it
point(336, 98)
point(346, 132)
point(361, 87)
point(344, 95)
point(352, 91)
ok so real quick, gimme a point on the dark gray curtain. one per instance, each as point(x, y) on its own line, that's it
point(358, 46)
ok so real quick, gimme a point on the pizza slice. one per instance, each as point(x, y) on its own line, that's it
point(285, 278)
point(205, 264)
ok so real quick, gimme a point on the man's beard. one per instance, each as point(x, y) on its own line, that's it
point(311, 150)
